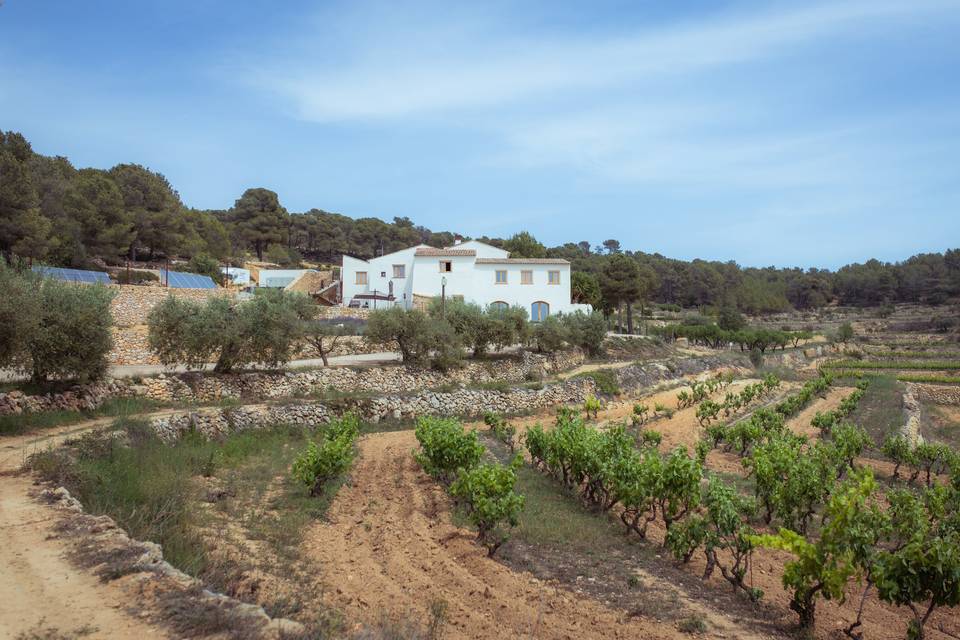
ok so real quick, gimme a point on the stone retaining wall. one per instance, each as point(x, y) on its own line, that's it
point(133, 303)
point(201, 387)
point(937, 394)
point(100, 537)
point(396, 379)
point(642, 376)
point(214, 423)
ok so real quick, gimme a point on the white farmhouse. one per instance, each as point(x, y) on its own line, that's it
point(472, 271)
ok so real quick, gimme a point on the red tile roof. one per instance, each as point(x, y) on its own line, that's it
point(445, 252)
point(522, 261)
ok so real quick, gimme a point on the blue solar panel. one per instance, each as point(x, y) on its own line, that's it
point(181, 280)
point(74, 275)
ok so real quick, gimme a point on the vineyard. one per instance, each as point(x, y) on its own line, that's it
point(849, 535)
point(737, 502)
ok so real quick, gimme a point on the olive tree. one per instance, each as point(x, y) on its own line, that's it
point(586, 330)
point(417, 336)
point(54, 329)
point(265, 330)
point(323, 336)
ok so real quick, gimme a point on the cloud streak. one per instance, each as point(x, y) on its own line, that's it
point(422, 70)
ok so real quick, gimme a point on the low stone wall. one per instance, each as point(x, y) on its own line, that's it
point(344, 312)
point(102, 541)
point(214, 423)
point(79, 398)
point(198, 387)
point(642, 376)
point(346, 346)
point(388, 380)
point(936, 393)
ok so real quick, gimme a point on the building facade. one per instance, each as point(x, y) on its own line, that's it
point(473, 271)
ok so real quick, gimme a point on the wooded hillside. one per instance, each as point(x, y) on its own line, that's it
point(52, 212)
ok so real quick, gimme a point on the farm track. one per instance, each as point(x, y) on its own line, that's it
point(41, 589)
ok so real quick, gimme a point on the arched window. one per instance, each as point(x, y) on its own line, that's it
point(499, 305)
point(539, 311)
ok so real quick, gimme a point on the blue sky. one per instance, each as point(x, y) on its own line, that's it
point(801, 133)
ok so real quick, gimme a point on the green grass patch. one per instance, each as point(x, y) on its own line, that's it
point(149, 488)
point(902, 377)
point(880, 410)
point(942, 424)
point(552, 517)
point(605, 379)
point(920, 354)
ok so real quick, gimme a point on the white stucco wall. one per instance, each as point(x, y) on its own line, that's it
point(475, 282)
point(515, 293)
point(375, 281)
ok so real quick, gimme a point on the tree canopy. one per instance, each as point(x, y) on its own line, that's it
point(52, 212)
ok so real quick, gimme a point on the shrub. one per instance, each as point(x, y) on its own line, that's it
point(319, 463)
point(605, 380)
point(586, 330)
point(446, 351)
point(823, 567)
point(549, 334)
point(487, 491)
point(445, 448)
point(50, 328)
point(504, 431)
point(844, 333)
point(206, 265)
point(591, 406)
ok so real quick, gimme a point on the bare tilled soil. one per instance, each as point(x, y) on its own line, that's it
point(391, 549)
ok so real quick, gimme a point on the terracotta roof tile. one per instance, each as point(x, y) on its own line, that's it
point(522, 261)
point(445, 252)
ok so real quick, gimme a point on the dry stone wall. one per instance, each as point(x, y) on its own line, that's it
point(397, 379)
point(133, 303)
point(214, 423)
point(130, 308)
point(936, 393)
point(197, 387)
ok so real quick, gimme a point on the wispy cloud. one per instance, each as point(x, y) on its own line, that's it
point(439, 67)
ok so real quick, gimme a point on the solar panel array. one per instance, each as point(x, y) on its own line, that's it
point(74, 275)
point(181, 280)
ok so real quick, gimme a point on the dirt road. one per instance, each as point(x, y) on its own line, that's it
point(40, 589)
